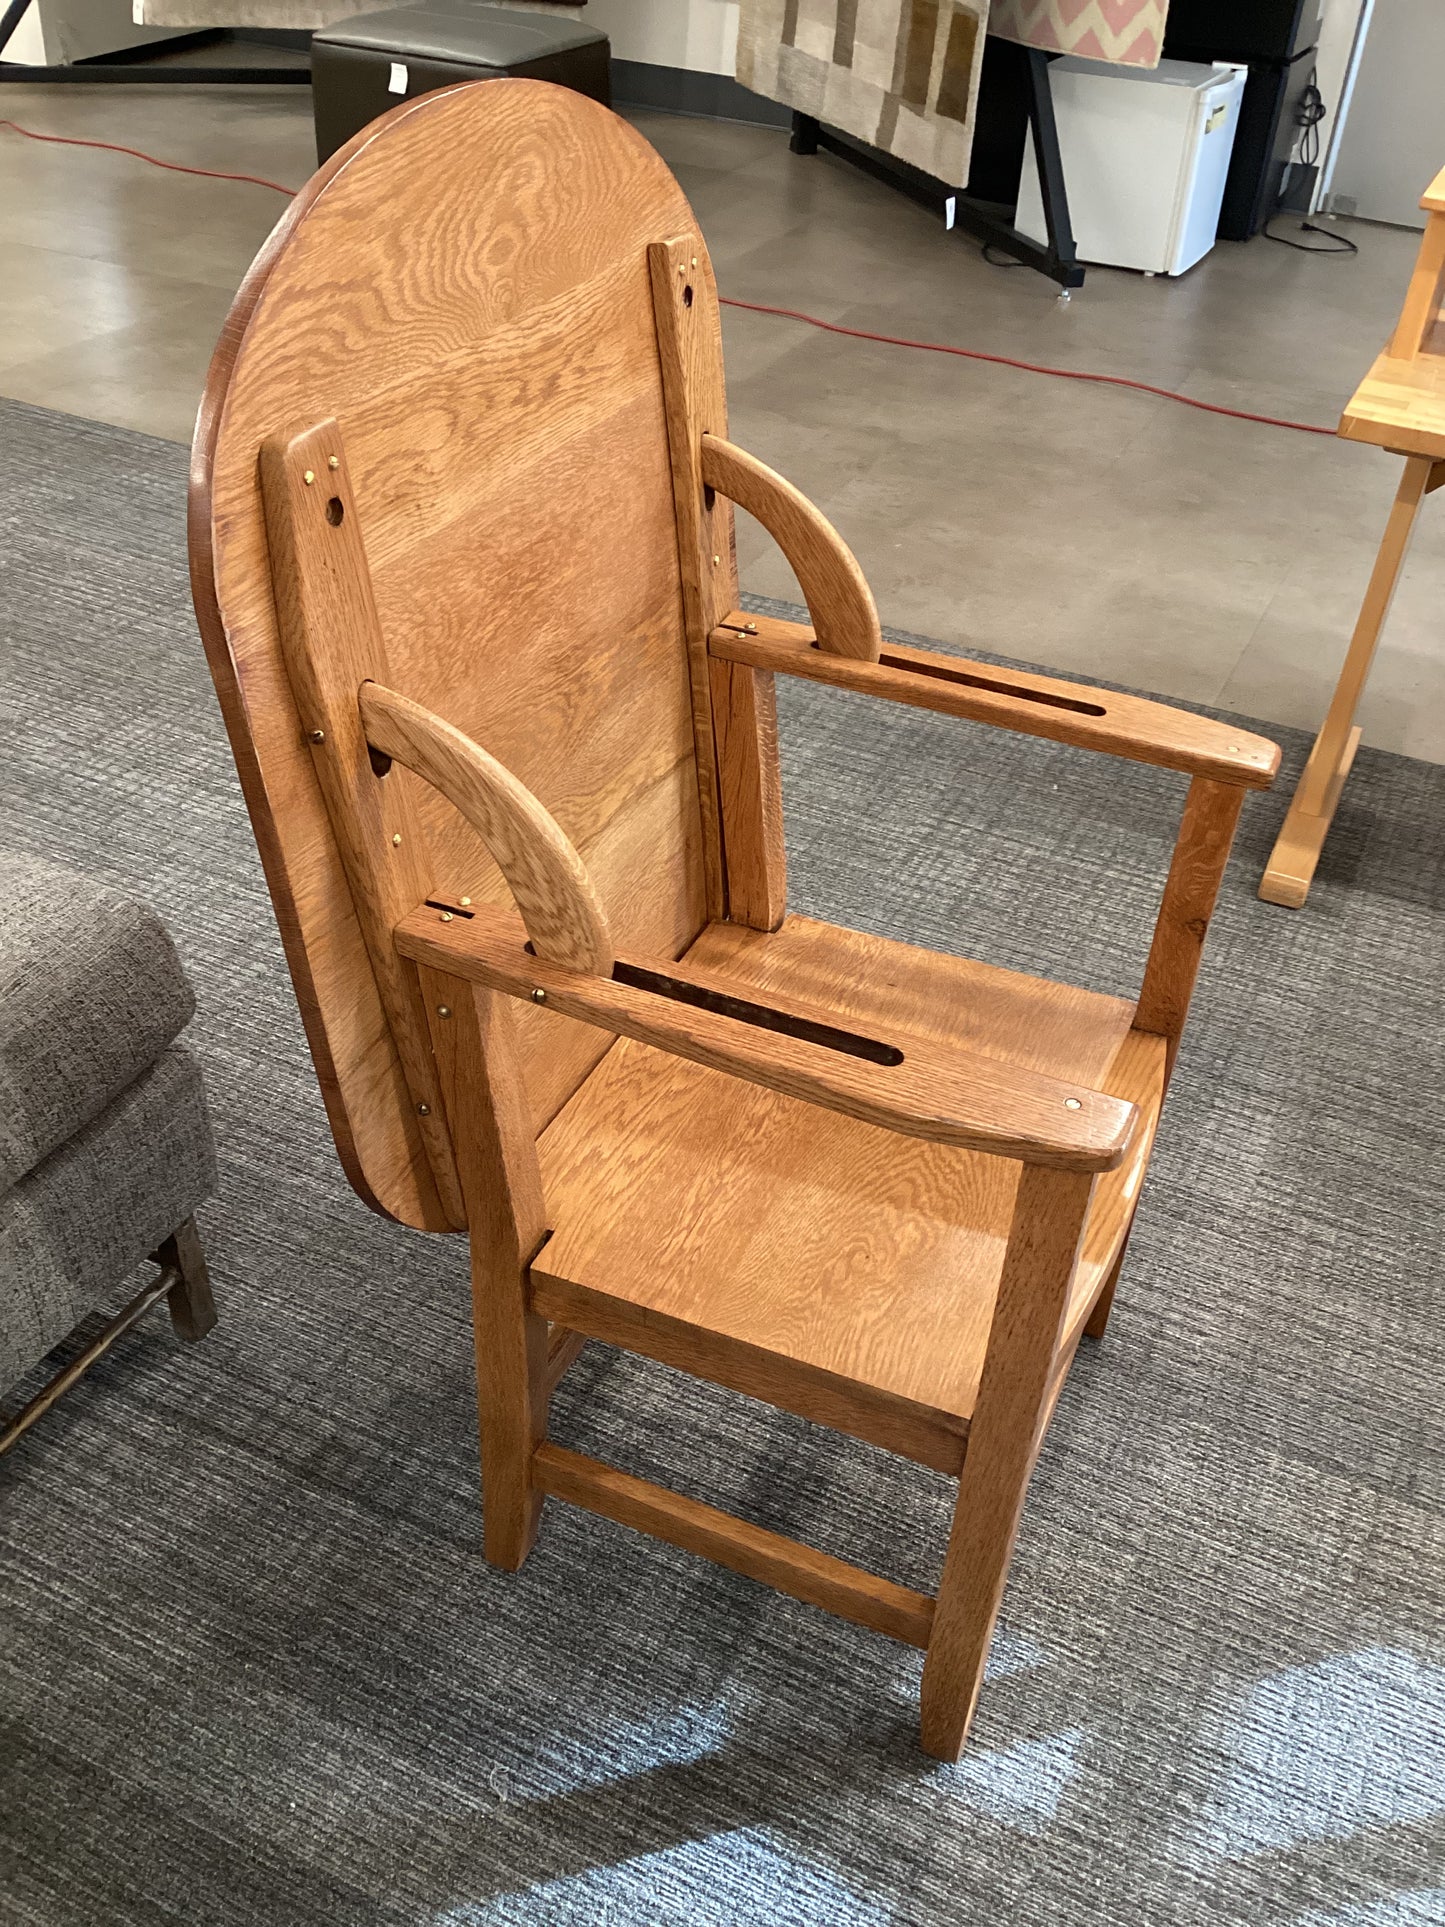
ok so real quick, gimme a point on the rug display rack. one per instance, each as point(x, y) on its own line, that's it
point(907, 89)
point(1013, 102)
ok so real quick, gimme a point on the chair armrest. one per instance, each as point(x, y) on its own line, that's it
point(914, 1088)
point(1062, 712)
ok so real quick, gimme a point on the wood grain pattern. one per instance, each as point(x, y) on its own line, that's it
point(475, 1048)
point(689, 346)
point(1400, 405)
point(1401, 402)
point(845, 618)
point(1097, 1321)
point(564, 1348)
point(813, 1576)
point(948, 1097)
point(857, 1285)
point(1060, 712)
point(883, 987)
point(1139, 1073)
point(1050, 1212)
point(734, 716)
point(745, 719)
point(331, 641)
point(547, 878)
point(1421, 307)
point(1297, 849)
point(465, 288)
point(785, 1377)
point(892, 1198)
point(1196, 870)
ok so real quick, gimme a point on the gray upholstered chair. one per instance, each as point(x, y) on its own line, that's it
point(105, 1146)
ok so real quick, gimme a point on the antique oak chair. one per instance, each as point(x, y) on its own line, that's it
point(462, 555)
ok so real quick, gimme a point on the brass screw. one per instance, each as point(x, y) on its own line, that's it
point(716, 560)
point(309, 477)
point(396, 838)
point(539, 996)
point(447, 917)
point(444, 1010)
point(681, 269)
point(333, 461)
point(1073, 1104)
point(465, 902)
point(694, 260)
point(423, 1110)
point(318, 735)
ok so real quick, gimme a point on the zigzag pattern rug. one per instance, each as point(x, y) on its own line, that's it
point(1129, 33)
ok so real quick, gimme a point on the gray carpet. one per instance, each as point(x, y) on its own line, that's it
point(254, 1669)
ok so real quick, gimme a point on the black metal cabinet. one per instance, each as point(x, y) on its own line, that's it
point(1276, 40)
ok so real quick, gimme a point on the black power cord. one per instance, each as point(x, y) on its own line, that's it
point(1308, 115)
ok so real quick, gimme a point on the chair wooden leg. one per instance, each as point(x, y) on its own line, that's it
point(192, 1308)
point(472, 1036)
point(1298, 847)
point(1003, 1441)
point(1098, 1320)
point(511, 1414)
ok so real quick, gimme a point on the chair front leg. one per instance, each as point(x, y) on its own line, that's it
point(473, 1038)
point(1003, 1439)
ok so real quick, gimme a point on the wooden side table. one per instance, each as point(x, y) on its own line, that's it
point(1400, 405)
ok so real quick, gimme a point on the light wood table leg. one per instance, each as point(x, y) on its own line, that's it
point(1292, 861)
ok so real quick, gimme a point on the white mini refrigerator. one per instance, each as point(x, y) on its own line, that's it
point(1145, 151)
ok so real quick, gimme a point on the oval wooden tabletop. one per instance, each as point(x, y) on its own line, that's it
point(465, 288)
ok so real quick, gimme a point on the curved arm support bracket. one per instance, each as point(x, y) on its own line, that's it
point(845, 619)
point(564, 918)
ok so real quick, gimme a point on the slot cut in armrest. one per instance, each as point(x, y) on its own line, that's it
point(1126, 726)
point(946, 1096)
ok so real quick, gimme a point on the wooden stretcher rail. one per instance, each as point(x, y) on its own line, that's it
point(1061, 712)
point(816, 1577)
point(948, 1097)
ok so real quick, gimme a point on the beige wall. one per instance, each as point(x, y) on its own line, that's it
point(1338, 19)
point(1392, 143)
point(700, 35)
point(65, 30)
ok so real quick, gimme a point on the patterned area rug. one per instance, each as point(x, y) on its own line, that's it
point(253, 1669)
point(1127, 32)
point(901, 75)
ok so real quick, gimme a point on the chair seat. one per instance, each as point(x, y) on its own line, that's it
point(827, 1265)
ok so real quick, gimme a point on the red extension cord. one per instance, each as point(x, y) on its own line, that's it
point(761, 307)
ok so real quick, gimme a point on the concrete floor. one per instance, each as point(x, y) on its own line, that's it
point(1096, 530)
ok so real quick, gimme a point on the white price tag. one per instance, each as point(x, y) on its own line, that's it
point(397, 83)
